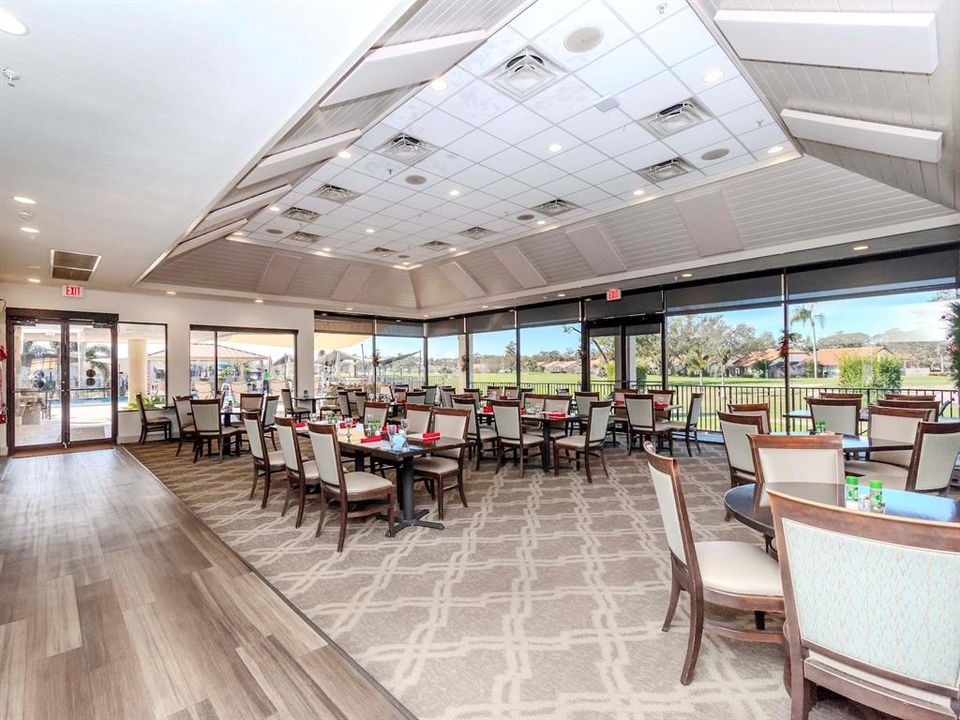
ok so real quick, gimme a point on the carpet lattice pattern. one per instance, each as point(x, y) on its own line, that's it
point(541, 600)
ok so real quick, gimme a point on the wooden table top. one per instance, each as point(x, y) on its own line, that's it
point(382, 448)
point(899, 503)
point(862, 443)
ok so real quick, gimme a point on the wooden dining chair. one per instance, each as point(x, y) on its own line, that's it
point(270, 418)
point(352, 492)
point(265, 462)
point(910, 397)
point(475, 392)
point(418, 419)
point(430, 394)
point(735, 575)
point(303, 477)
point(482, 437)
point(290, 407)
point(376, 411)
point(830, 395)
point(512, 392)
point(642, 422)
point(795, 459)
point(184, 415)
point(587, 445)
point(149, 424)
point(583, 400)
point(838, 415)
point(208, 426)
point(760, 410)
point(882, 630)
point(511, 436)
point(932, 407)
point(439, 467)
point(416, 397)
point(736, 429)
point(251, 401)
point(686, 430)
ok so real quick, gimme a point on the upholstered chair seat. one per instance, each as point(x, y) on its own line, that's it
point(574, 442)
point(487, 434)
point(527, 438)
point(445, 465)
point(310, 471)
point(893, 476)
point(275, 459)
point(737, 567)
point(361, 482)
point(438, 465)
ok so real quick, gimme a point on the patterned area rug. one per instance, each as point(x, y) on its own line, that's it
point(542, 600)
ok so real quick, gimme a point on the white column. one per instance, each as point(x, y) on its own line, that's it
point(461, 371)
point(136, 367)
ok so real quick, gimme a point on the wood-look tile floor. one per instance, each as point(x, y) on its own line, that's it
point(116, 602)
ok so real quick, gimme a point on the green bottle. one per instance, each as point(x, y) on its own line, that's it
point(853, 491)
point(876, 495)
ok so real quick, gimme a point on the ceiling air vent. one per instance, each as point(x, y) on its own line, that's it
point(436, 245)
point(303, 237)
point(72, 266)
point(676, 118)
point(335, 194)
point(524, 74)
point(381, 252)
point(665, 170)
point(476, 232)
point(555, 207)
point(406, 149)
point(301, 215)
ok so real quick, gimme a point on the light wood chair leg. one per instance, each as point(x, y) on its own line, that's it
point(672, 605)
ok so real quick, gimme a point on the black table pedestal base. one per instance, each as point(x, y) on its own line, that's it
point(416, 521)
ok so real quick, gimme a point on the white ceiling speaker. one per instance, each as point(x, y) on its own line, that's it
point(709, 223)
point(397, 66)
point(299, 157)
point(227, 213)
point(519, 266)
point(905, 142)
point(202, 239)
point(897, 42)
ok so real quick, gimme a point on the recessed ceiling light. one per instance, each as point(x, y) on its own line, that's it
point(686, 275)
point(555, 147)
point(462, 252)
point(10, 24)
point(775, 149)
point(349, 308)
point(638, 193)
point(325, 249)
point(541, 222)
point(860, 248)
point(406, 262)
point(484, 307)
point(438, 85)
point(561, 294)
point(171, 292)
point(258, 301)
point(370, 231)
point(29, 230)
point(35, 281)
point(345, 154)
point(24, 200)
point(454, 193)
point(275, 208)
point(453, 249)
point(711, 76)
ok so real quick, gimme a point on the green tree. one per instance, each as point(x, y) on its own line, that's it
point(805, 315)
point(851, 371)
point(510, 356)
point(887, 372)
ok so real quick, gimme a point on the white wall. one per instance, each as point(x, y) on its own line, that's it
point(178, 313)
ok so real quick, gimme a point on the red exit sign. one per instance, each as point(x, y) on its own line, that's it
point(614, 294)
point(73, 291)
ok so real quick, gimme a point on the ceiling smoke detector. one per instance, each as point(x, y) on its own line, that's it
point(524, 74)
point(406, 149)
point(335, 194)
point(301, 215)
point(665, 170)
point(381, 252)
point(676, 118)
point(475, 233)
point(436, 245)
point(555, 207)
point(303, 237)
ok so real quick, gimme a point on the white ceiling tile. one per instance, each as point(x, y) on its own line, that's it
point(624, 185)
point(602, 171)
point(604, 203)
point(350, 213)
point(477, 145)
point(476, 177)
point(453, 226)
point(592, 123)
point(378, 166)
point(476, 200)
point(406, 113)
point(386, 233)
point(432, 233)
point(728, 96)
point(502, 225)
point(407, 227)
point(510, 161)
point(401, 179)
point(641, 15)
point(747, 118)
point(541, 15)
point(563, 99)
point(625, 66)
point(516, 125)
point(356, 154)
point(400, 212)
point(678, 37)
point(444, 163)
point(328, 223)
point(438, 128)
point(651, 95)
point(504, 208)
point(692, 71)
point(370, 203)
point(646, 156)
point(539, 144)
point(577, 158)
point(539, 174)
point(429, 219)
point(629, 137)
point(506, 188)
point(532, 197)
point(316, 204)
point(763, 137)
point(734, 149)
point(476, 217)
point(587, 196)
point(389, 191)
point(456, 79)
point(564, 186)
point(593, 14)
point(681, 181)
point(444, 188)
point(376, 136)
point(478, 103)
point(352, 180)
point(450, 211)
point(708, 133)
point(423, 201)
point(498, 48)
point(322, 174)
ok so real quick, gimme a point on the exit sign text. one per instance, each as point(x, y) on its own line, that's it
point(74, 291)
point(613, 294)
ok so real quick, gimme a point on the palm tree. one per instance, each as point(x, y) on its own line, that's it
point(805, 315)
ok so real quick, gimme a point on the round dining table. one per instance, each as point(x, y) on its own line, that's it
point(739, 501)
point(862, 443)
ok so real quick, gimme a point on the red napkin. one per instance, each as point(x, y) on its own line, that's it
point(504, 397)
point(523, 411)
point(343, 425)
point(301, 424)
point(487, 409)
point(430, 437)
point(618, 403)
point(372, 438)
point(660, 406)
point(556, 415)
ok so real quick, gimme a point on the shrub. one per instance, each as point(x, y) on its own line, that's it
point(850, 374)
point(887, 373)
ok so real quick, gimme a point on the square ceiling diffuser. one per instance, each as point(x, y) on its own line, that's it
point(676, 118)
point(335, 194)
point(303, 237)
point(665, 170)
point(406, 148)
point(555, 207)
point(301, 215)
point(526, 73)
point(475, 233)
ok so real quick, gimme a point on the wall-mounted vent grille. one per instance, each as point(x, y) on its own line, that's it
point(303, 237)
point(72, 265)
point(555, 207)
point(526, 73)
point(406, 149)
point(476, 232)
point(436, 245)
point(676, 118)
point(301, 215)
point(381, 252)
point(335, 194)
point(665, 170)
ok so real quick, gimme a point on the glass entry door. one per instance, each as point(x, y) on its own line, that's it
point(62, 382)
point(625, 354)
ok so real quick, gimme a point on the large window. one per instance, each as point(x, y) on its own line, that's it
point(343, 353)
point(443, 355)
point(142, 364)
point(236, 361)
point(550, 357)
point(400, 360)
point(493, 358)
